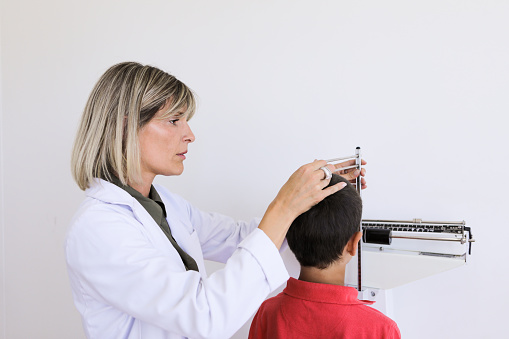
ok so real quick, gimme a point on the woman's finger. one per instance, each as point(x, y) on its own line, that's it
point(363, 183)
point(351, 175)
point(325, 173)
point(348, 163)
point(317, 164)
point(332, 189)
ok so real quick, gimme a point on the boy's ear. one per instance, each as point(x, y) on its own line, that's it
point(351, 246)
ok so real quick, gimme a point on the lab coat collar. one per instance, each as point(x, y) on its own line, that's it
point(109, 193)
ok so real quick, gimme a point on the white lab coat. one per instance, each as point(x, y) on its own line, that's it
point(128, 281)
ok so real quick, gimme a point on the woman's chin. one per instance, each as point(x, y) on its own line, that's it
point(173, 172)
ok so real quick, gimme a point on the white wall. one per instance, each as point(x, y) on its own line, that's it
point(2, 213)
point(420, 85)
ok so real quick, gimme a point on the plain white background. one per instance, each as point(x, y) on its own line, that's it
point(421, 86)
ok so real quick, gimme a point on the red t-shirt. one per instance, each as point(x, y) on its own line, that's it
point(312, 310)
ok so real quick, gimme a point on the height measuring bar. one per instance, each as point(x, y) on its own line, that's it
point(358, 185)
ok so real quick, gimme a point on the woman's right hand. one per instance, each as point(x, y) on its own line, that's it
point(305, 188)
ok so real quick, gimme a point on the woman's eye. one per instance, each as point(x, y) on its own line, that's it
point(174, 121)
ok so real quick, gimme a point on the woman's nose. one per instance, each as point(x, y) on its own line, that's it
point(188, 134)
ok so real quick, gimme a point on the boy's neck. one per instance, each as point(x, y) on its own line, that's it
point(333, 275)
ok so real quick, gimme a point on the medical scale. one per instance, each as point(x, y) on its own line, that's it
point(395, 252)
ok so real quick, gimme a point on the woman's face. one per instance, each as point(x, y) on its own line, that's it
point(163, 145)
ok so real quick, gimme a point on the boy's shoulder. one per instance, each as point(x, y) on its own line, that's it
point(272, 303)
point(368, 322)
point(375, 316)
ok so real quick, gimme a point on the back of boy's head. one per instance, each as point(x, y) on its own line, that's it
point(318, 236)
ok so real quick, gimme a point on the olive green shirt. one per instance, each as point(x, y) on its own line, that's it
point(155, 207)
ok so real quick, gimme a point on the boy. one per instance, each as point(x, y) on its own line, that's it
point(318, 305)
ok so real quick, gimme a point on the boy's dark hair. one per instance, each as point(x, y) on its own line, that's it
point(318, 236)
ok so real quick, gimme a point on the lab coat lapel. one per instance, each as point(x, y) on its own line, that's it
point(181, 229)
point(187, 240)
point(180, 232)
point(155, 233)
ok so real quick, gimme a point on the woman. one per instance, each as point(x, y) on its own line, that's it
point(135, 252)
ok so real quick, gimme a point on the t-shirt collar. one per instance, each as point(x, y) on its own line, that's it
point(325, 293)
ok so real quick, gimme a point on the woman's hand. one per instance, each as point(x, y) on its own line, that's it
point(304, 189)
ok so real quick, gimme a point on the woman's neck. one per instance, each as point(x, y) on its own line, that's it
point(144, 186)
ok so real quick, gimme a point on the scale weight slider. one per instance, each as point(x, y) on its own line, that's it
point(377, 236)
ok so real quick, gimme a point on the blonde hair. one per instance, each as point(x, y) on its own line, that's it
point(125, 98)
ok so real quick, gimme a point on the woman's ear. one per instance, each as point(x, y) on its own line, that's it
point(351, 246)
